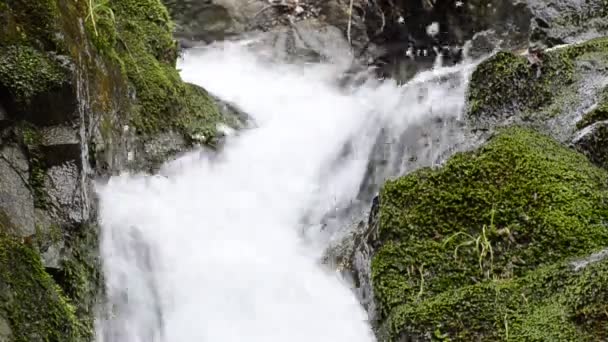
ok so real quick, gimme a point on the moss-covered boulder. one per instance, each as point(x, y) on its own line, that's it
point(539, 88)
point(34, 306)
point(457, 246)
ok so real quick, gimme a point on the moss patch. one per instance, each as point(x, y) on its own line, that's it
point(519, 202)
point(26, 72)
point(507, 83)
point(554, 303)
point(36, 308)
point(80, 275)
point(148, 50)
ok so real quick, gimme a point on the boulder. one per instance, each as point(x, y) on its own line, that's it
point(449, 251)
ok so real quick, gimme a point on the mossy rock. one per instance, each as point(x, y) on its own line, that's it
point(148, 50)
point(508, 85)
point(26, 72)
point(598, 113)
point(34, 306)
point(520, 202)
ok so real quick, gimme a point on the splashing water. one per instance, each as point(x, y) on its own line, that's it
point(216, 249)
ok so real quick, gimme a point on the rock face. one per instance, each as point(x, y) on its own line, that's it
point(80, 97)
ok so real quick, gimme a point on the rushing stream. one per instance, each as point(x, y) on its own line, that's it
point(227, 248)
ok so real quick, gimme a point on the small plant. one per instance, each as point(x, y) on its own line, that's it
point(98, 9)
point(483, 245)
point(421, 270)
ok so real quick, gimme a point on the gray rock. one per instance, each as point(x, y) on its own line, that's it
point(60, 144)
point(160, 148)
point(16, 200)
point(50, 239)
point(307, 41)
point(5, 331)
point(15, 156)
point(567, 21)
point(592, 141)
point(64, 188)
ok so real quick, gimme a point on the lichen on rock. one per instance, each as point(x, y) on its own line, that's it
point(498, 214)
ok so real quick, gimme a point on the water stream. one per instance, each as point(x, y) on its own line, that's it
point(227, 248)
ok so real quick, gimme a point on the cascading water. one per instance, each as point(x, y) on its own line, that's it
point(227, 248)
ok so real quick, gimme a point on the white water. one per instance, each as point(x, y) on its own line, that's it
point(216, 251)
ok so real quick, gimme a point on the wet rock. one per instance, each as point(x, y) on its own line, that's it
point(567, 21)
point(592, 141)
point(160, 148)
point(16, 200)
point(63, 185)
point(307, 41)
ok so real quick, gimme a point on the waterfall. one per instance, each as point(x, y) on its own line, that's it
point(227, 247)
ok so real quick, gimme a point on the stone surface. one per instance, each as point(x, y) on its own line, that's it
point(63, 186)
point(60, 144)
point(593, 142)
point(16, 200)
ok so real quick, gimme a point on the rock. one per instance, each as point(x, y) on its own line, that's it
point(50, 239)
point(63, 186)
point(60, 144)
point(567, 21)
point(455, 247)
point(16, 200)
point(160, 148)
point(593, 142)
point(307, 41)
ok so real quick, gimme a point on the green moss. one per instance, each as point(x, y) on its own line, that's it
point(32, 22)
point(519, 202)
point(33, 304)
point(26, 72)
point(80, 276)
point(507, 84)
point(148, 50)
point(554, 303)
